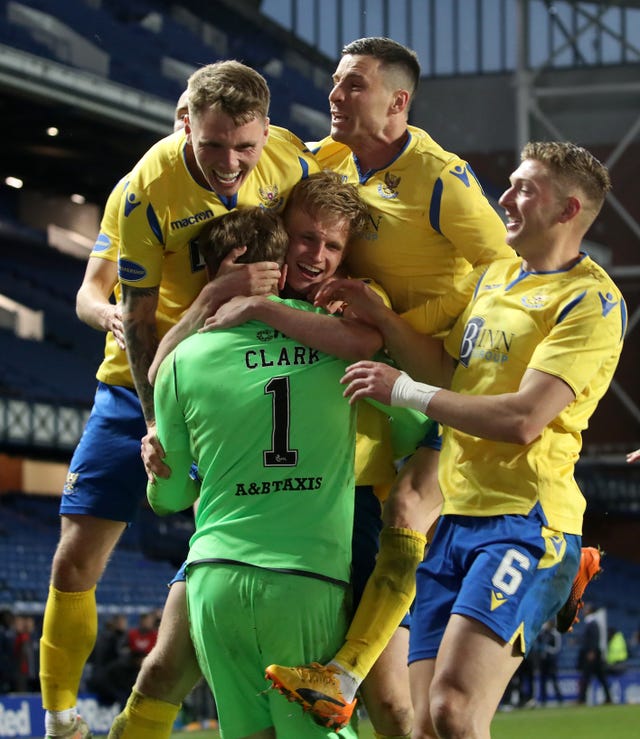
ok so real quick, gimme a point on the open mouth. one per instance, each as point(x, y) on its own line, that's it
point(226, 179)
point(308, 270)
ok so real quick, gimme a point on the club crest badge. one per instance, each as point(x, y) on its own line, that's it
point(389, 190)
point(270, 197)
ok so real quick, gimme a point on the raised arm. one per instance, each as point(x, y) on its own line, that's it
point(516, 418)
point(193, 319)
point(439, 314)
point(343, 337)
point(232, 279)
point(423, 357)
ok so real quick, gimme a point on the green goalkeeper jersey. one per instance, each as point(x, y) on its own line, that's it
point(264, 418)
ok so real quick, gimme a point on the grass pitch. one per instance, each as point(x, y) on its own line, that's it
point(570, 722)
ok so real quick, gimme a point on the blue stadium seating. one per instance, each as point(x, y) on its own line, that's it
point(135, 582)
point(41, 371)
point(618, 590)
point(20, 38)
point(61, 368)
point(29, 526)
point(116, 30)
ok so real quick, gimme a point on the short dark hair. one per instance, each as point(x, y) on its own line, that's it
point(391, 53)
point(260, 230)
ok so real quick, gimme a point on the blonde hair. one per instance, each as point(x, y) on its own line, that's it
point(572, 166)
point(229, 87)
point(324, 195)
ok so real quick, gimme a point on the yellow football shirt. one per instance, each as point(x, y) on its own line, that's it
point(114, 364)
point(162, 209)
point(569, 324)
point(430, 222)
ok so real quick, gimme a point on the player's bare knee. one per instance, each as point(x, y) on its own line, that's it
point(73, 572)
point(450, 714)
point(83, 551)
point(155, 677)
point(392, 719)
point(390, 709)
point(166, 675)
point(158, 668)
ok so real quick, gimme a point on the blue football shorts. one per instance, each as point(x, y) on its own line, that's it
point(512, 573)
point(180, 576)
point(106, 476)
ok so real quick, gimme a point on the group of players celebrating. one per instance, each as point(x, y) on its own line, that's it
point(377, 285)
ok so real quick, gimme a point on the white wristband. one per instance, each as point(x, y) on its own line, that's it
point(408, 393)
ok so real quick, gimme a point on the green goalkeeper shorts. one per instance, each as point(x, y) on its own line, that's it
point(244, 618)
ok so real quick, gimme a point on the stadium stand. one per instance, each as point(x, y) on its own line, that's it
point(619, 576)
point(170, 39)
point(28, 535)
point(62, 367)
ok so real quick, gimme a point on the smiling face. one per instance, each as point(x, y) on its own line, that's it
point(533, 208)
point(224, 151)
point(316, 248)
point(360, 101)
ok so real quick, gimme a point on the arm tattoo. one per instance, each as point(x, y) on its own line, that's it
point(141, 335)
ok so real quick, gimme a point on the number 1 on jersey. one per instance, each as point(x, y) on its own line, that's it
point(279, 455)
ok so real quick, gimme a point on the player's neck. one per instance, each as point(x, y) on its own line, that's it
point(377, 153)
point(558, 261)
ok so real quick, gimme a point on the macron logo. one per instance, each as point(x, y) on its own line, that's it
point(558, 543)
point(497, 599)
point(130, 204)
point(608, 302)
point(461, 173)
